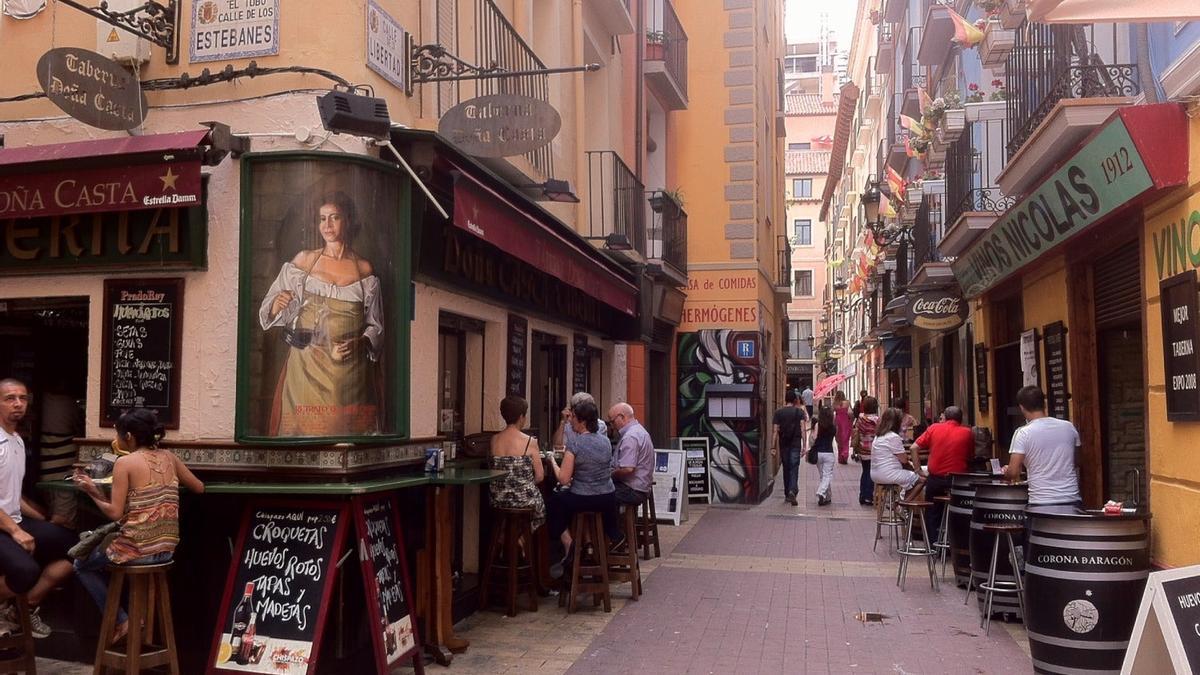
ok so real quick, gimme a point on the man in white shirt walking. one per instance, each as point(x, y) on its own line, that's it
point(1048, 449)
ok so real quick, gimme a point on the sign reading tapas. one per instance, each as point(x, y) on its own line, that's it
point(500, 125)
point(937, 310)
point(92, 88)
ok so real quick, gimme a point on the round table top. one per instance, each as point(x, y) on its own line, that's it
point(1087, 514)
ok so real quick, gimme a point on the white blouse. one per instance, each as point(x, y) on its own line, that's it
point(299, 282)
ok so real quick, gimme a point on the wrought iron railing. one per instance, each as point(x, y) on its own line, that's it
point(664, 27)
point(615, 195)
point(927, 231)
point(911, 75)
point(1052, 63)
point(784, 252)
point(667, 235)
point(973, 161)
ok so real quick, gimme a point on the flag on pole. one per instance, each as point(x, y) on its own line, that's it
point(965, 34)
point(914, 127)
point(896, 183)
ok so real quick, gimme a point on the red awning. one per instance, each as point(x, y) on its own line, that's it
point(111, 174)
point(487, 214)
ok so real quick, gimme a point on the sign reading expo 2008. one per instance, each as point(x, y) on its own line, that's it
point(1104, 174)
point(500, 125)
point(92, 88)
point(1181, 333)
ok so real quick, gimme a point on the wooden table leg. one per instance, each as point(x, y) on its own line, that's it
point(440, 639)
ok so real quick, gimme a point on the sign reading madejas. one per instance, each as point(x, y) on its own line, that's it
point(1139, 148)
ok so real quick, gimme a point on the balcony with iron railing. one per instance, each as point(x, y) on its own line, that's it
point(929, 267)
point(783, 282)
point(667, 234)
point(616, 206)
point(912, 75)
point(666, 61)
point(885, 50)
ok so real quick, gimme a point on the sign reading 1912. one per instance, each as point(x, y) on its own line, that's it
point(1181, 333)
point(143, 321)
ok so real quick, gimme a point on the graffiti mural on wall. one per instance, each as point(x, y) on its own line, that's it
point(710, 357)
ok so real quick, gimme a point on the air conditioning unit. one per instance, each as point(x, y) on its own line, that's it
point(120, 45)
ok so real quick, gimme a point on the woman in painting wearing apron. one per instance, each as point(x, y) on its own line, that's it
point(327, 299)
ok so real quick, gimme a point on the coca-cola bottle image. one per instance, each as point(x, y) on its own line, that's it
point(247, 650)
point(241, 619)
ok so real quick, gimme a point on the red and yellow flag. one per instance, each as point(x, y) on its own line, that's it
point(914, 127)
point(965, 34)
point(896, 183)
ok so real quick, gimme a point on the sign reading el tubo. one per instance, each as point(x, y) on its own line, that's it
point(937, 310)
point(500, 125)
point(92, 88)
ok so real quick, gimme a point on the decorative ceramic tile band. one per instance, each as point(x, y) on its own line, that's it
point(320, 459)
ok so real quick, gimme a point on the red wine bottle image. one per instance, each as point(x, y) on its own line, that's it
point(241, 619)
point(674, 500)
point(247, 649)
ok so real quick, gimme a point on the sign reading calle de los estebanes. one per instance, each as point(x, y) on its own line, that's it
point(937, 310)
point(1103, 175)
point(92, 88)
point(500, 125)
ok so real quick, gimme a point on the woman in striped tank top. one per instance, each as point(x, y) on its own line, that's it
point(144, 499)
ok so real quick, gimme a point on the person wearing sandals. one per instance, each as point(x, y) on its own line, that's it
point(517, 453)
point(144, 500)
point(888, 456)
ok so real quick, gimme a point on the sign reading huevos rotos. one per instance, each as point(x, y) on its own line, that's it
point(92, 88)
point(500, 125)
point(937, 310)
point(1105, 174)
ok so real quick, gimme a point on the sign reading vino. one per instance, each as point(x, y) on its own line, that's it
point(1181, 333)
point(143, 335)
point(1054, 347)
point(937, 310)
point(981, 376)
point(516, 355)
point(385, 577)
point(278, 588)
point(695, 452)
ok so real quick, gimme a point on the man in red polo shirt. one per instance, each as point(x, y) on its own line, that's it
point(950, 445)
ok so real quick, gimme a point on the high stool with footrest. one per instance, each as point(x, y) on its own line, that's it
point(647, 527)
point(512, 554)
point(589, 568)
point(992, 586)
point(943, 535)
point(20, 644)
point(886, 514)
point(149, 608)
point(915, 513)
point(623, 565)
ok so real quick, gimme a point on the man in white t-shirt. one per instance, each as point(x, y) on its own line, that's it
point(1047, 447)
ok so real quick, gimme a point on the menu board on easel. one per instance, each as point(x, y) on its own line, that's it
point(278, 588)
point(668, 477)
point(386, 580)
point(699, 480)
point(142, 339)
point(1166, 634)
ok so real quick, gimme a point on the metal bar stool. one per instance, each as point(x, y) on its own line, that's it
point(19, 644)
point(992, 586)
point(943, 539)
point(915, 511)
point(885, 513)
point(149, 604)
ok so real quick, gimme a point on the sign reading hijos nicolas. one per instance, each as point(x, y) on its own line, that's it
point(937, 310)
point(92, 88)
point(500, 125)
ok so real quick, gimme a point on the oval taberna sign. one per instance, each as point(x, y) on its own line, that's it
point(937, 310)
point(500, 125)
point(92, 88)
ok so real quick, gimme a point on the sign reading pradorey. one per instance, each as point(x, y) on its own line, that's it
point(1181, 337)
point(1103, 175)
point(500, 125)
point(92, 88)
point(234, 29)
point(387, 46)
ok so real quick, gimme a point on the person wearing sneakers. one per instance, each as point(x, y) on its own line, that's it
point(787, 431)
point(33, 551)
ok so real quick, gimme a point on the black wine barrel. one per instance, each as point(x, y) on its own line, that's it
point(962, 502)
point(996, 502)
point(1084, 579)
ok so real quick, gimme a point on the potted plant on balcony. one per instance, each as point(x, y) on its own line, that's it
point(933, 182)
point(656, 45)
point(987, 106)
point(997, 44)
point(954, 118)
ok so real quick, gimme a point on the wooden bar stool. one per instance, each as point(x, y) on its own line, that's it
point(623, 566)
point(512, 553)
point(992, 586)
point(943, 536)
point(915, 512)
point(886, 514)
point(20, 644)
point(589, 568)
point(647, 527)
point(149, 606)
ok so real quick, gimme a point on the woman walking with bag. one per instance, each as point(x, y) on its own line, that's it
point(821, 454)
point(864, 436)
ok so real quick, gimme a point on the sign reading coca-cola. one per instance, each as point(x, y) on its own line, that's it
point(937, 310)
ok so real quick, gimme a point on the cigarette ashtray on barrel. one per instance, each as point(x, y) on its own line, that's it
point(1084, 579)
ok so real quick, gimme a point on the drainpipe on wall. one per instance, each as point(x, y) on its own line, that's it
point(580, 149)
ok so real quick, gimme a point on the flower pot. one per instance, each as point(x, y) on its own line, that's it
point(986, 110)
point(656, 51)
point(954, 121)
point(933, 186)
point(997, 44)
point(913, 195)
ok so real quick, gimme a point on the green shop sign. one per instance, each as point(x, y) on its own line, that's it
point(1102, 176)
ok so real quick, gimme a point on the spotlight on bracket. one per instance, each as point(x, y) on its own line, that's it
point(349, 110)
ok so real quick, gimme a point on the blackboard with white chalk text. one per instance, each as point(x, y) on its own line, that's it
point(142, 340)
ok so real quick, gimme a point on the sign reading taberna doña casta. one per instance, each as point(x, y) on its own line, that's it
point(234, 29)
point(500, 125)
point(1139, 148)
point(92, 88)
point(387, 46)
point(937, 310)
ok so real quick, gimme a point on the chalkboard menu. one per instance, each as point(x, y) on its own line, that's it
point(1183, 597)
point(695, 452)
point(580, 362)
point(385, 576)
point(1166, 634)
point(981, 376)
point(278, 588)
point(143, 322)
point(1181, 362)
point(1054, 347)
point(517, 355)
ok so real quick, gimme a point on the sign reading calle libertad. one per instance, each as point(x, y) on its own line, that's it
point(937, 310)
point(92, 88)
point(1103, 175)
point(500, 125)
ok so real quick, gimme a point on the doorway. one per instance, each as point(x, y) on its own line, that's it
point(460, 376)
point(1009, 380)
point(548, 385)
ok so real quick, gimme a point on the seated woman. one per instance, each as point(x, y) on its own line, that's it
point(517, 453)
point(587, 469)
point(888, 456)
point(145, 500)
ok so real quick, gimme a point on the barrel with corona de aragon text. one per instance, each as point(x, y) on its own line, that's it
point(958, 515)
point(997, 502)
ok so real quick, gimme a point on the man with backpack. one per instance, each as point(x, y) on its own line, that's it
point(788, 428)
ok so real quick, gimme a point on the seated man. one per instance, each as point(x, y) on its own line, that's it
point(633, 462)
point(565, 433)
point(33, 552)
point(950, 446)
